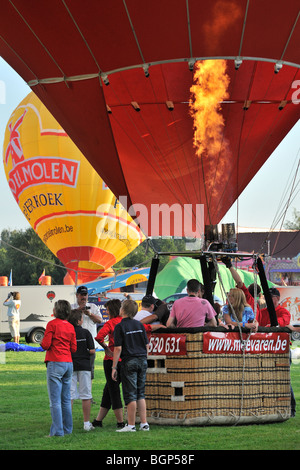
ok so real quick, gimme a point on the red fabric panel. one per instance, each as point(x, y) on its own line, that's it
point(74, 255)
point(107, 31)
point(158, 142)
point(158, 27)
point(216, 27)
point(161, 30)
point(268, 27)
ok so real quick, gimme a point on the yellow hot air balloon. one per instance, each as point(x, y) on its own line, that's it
point(61, 195)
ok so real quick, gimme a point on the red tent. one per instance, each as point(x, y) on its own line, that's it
point(137, 132)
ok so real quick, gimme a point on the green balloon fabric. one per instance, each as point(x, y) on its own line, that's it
point(173, 278)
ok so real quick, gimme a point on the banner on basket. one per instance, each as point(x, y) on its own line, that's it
point(258, 343)
point(167, 345)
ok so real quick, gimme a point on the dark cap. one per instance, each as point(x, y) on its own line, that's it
point(274, 291)
point(149, 299)
point(82, 290)
point(157, 303)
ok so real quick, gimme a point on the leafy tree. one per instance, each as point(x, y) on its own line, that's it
point(143, 254)
point(295, 223)
point(25, 253)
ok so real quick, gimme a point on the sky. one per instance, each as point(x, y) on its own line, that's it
point(258, 206)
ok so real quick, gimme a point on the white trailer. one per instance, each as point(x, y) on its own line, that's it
point(36, 309)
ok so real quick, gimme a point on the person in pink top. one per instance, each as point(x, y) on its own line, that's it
point(192, 311)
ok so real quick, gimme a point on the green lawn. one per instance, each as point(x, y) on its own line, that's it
point(25, 419)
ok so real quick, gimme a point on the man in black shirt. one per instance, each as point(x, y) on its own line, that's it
point(82, 367)
point(131, 344)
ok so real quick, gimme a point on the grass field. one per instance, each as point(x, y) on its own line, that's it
point(25, 419)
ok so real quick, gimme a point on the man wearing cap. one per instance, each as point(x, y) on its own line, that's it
point(148, 302)
point(91, 316)
point(283, 315)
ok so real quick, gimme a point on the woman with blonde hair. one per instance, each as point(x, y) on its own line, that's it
point(237, 311)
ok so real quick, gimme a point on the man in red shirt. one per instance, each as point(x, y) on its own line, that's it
point(283, 315)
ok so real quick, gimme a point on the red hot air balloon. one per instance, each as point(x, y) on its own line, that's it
point(138, 132)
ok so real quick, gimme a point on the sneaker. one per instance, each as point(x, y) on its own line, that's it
point(120, 425)
point(88, 427)
point(145, 427)
point(126, 429)
point(97, 424)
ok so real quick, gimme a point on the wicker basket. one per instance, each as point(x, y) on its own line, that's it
point(212, 389)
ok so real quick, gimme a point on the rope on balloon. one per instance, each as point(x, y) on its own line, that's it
point(244, 342)
point(64, 267)
point(33, 256)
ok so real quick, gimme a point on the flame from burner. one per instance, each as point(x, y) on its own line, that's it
point(210, 88)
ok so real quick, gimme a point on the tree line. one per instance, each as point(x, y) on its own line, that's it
point(23, 252)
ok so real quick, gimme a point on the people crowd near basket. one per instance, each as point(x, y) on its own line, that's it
point(71, 339)
point(69, 347)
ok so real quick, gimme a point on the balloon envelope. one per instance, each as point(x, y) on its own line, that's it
point(62, 196)
point(66, 53)
point(156, 148)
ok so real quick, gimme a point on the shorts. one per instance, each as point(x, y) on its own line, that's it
point(83, 377)
point(133, 373)
point(14, 327)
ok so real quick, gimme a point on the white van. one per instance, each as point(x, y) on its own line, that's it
point(36, 309)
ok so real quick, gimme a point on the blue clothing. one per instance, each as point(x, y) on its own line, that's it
point(248, 315)
point(59, 376)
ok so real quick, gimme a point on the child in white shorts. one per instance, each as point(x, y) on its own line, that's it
point(82, 367)
point(83, 390)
